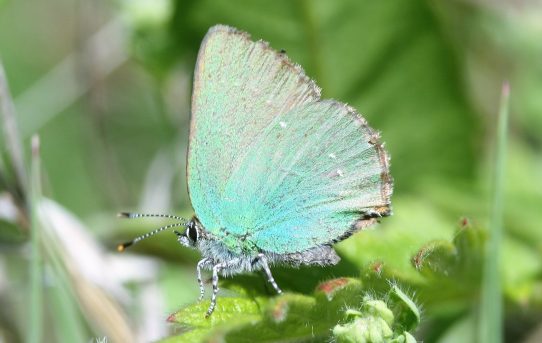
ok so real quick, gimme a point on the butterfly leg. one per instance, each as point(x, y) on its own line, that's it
point(200, 265)
point(265, 265)
point(216, 269)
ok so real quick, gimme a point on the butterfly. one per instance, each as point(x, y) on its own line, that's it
point(276, 175)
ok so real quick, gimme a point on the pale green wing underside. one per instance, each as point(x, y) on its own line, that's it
point(269, 161)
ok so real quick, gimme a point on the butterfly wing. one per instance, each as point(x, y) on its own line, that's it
point(269, 161)
point(239, 87)
point(317, 170)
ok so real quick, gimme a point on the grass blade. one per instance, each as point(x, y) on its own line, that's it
point(11, 131)
point(490, 325)
point(36, 260)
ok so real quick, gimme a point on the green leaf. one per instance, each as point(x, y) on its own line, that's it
point(407, 313)
point(451, 271)
point(300, 317)
point(435, 258)
point(295, 317)
point(393, 243)
point(239, 309)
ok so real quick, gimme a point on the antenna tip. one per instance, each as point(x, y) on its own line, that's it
point(123, 246)
point(123, 215)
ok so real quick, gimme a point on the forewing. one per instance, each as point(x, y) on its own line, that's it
point(240, 86)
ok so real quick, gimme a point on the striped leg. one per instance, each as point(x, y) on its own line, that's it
point(200, 265)
point(216, 269)
point(263, 261)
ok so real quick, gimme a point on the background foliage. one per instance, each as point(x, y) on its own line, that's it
point(106, 85)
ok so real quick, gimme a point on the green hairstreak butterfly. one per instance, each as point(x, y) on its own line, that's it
point(275, 173)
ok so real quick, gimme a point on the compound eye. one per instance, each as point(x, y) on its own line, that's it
point(192, 232)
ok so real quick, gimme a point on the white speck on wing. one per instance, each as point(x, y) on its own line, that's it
point(336, 173)
point(332, 156)
point(283, 124)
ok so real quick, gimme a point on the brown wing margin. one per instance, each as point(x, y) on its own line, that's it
point(367, 219)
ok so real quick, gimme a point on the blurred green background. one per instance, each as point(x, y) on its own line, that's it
point(106, 85)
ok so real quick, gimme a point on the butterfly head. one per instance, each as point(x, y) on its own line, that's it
point(190, 236)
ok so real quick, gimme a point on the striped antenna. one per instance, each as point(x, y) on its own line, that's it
point(123, 246)
point(132, 215)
